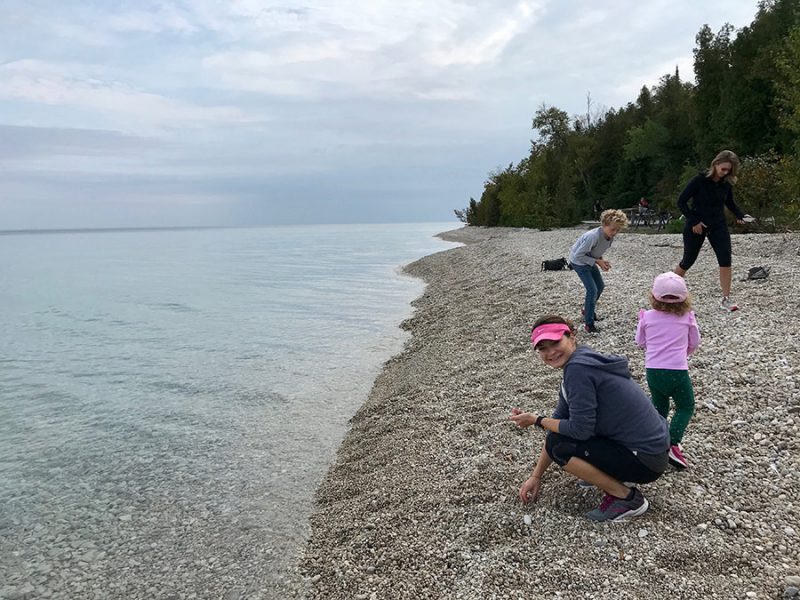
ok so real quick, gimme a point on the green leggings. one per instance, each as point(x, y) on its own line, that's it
point(666, 383)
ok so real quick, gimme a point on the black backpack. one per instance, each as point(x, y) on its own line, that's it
point(757, 273)
point(557, 264)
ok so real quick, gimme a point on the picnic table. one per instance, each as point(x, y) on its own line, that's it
point(649, 218)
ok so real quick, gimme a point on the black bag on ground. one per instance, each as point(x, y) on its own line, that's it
point(557, 264)
point(757, 273)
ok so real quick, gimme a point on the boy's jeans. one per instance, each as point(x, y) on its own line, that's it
point(593, 282)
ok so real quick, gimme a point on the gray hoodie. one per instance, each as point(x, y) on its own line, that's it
point(599, 398)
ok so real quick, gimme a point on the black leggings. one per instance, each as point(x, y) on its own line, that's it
point(718, 236)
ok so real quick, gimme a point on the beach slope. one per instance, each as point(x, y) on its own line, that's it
point(421, 501)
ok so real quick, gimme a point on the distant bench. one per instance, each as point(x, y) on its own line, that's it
point(648, 218)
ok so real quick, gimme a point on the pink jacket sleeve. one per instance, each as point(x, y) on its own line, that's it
point(641, 338)
point(694, 333)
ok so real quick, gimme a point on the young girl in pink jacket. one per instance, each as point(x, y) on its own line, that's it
point(669, 334)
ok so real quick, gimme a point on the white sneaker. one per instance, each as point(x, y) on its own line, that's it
point(728, 304)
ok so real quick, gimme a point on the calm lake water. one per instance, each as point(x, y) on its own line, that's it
point(169, 399)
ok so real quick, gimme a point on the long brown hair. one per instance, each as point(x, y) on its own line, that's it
point(726, 156)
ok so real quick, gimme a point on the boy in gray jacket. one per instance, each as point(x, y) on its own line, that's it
point(586, 259)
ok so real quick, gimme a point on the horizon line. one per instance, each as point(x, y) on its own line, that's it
point(185, 227)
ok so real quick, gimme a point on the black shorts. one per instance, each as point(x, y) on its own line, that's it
point(718, 236)
point(607, 455)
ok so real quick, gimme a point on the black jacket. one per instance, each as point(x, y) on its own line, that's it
point(709, 199)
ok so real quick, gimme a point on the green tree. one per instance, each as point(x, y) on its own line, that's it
point(788, 83)
point(712, 70)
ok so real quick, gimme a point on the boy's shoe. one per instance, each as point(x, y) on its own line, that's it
point(676, 457)
point(590, 329)
point(596, 316)
point(617, 509)
point(728, 304)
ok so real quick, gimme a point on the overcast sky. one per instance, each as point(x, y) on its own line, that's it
point(246, 112)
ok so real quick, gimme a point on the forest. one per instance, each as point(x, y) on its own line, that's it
point(745, 97)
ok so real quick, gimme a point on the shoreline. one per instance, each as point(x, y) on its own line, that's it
point(421, 499)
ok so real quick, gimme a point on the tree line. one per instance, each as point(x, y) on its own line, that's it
point(746, 98)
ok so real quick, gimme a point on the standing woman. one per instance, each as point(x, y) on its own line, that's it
point(710, 193)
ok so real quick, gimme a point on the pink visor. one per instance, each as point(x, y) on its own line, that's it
point(548, 331)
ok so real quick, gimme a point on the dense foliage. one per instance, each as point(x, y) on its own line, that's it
point(746, 98)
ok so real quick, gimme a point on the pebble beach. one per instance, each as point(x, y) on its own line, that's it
point(421, 501)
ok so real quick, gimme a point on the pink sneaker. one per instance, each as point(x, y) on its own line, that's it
point(676, 457)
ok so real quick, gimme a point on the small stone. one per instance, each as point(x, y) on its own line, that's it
point(527, 520)
point(793, 580)
point(643, 533)
point(702, 526)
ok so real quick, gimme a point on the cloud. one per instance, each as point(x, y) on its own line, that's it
point(384, 49)
point(488, 42)
point(20, 144)
point(63, 84)
point(401, 104)
point(164, 18)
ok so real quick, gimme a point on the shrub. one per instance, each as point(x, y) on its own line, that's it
point(674, 226)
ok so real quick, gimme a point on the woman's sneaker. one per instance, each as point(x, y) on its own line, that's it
point(676, 457)
point(618, 509)
point(728, 304)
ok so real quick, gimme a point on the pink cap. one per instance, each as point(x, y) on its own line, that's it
point(548, 331)
point(670, 288)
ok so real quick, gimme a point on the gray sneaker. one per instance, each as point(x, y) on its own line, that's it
point(617, 509)
point(728, 304)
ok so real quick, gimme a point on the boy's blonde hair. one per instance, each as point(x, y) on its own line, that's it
point(677, 308)
point(614, 216)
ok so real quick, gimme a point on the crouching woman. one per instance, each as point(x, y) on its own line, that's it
point(604, 429)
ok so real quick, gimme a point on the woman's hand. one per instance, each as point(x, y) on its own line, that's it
point(530, 489)
point(698, 229)
point(522, 419)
